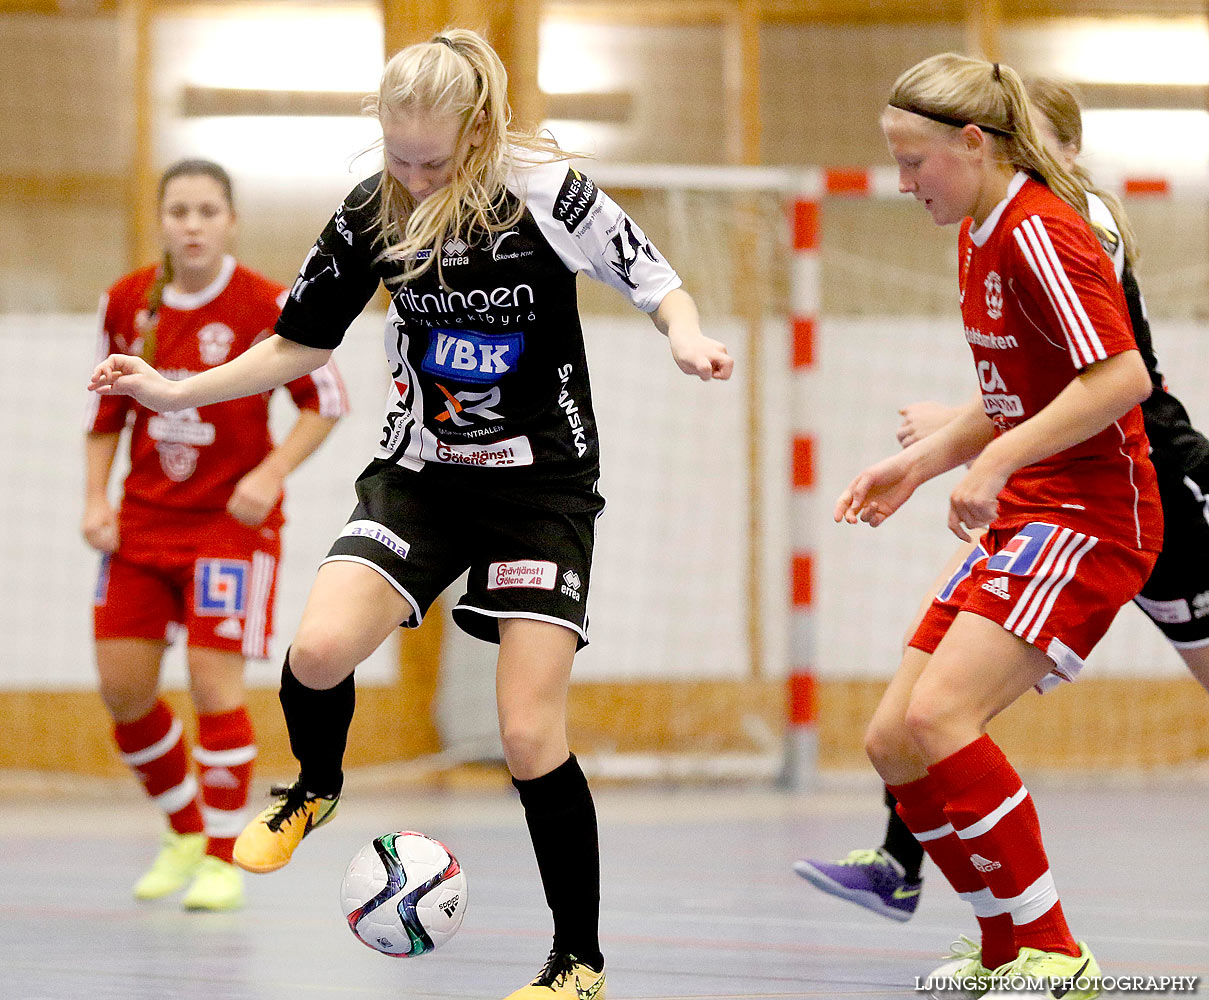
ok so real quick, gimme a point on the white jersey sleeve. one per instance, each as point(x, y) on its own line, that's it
point(1107, 231)
point(591, 233)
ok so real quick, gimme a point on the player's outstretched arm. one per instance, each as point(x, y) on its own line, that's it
point(272, 362)
point(882, 488)
point(695, 354)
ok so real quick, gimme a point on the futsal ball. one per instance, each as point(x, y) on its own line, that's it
point(403, 894)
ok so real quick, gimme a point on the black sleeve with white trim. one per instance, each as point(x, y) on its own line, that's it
point(337, 279)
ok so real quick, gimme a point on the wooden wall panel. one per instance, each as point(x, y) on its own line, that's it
point(1098, 724)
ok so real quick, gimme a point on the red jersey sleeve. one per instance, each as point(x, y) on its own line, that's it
point(322, 391)
point(1068, 284)
point(106, 414)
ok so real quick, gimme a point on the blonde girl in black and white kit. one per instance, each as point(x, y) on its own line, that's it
point(488, 456)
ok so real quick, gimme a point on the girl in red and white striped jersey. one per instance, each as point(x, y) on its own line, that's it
point(887, 879)
point(195, 541)
point(1058, 471)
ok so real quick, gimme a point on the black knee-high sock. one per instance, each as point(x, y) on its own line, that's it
point(900, 843)
point(562, 823)
point(318, 722)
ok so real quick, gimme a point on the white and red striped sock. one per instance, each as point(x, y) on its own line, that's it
point(921, 808)
point(994, 817)
point(154, 748)
point(225, 753)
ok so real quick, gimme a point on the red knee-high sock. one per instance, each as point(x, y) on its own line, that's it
point(225, 752)
point(154, 748)
point(994, 817)
point(922, 809)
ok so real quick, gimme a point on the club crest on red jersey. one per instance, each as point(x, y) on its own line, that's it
point(214, 342)
point(994, 289)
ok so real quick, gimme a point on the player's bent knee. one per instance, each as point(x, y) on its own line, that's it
point(532, 749)
point(886, 743)
point(929, 724)
point(320, 658)
point(127, 702)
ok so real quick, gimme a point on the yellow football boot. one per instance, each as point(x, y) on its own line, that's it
point(268, 842)
point(177, 862)
point(564, 975)
point(217, 886)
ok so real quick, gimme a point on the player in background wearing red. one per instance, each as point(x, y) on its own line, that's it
point(1176, 595)
point(488, 458)
point(1059, 474)
point(196, 539)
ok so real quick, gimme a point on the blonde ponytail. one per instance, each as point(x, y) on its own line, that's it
point(1058, 103)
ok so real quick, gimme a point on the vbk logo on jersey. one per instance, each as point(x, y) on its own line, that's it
point(467, 356)
point(994, 295)
point(221, 587)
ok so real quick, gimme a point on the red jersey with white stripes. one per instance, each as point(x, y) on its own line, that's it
point(190, 460)
point(1041, 302)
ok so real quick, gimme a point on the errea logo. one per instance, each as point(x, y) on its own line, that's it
point(455, 252)
point(571, 585)
point(994, 295)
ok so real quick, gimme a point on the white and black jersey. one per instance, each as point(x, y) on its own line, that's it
point(488, 367)
point(1175, 444)
point(1176, 594)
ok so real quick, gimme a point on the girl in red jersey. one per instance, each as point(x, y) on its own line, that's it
point(1058, 472)
point(887, 879)
point(195, 541)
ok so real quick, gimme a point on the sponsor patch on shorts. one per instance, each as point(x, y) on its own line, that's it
point(378, 533)
point(522, 573)
point(221, 587)
point(1168, 612)
point(101, 594)
point(496, 455)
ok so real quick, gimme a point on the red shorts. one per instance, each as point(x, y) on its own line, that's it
point(1056, 588)
point(207, 573)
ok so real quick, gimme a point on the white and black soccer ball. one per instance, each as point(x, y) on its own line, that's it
point(403, 894)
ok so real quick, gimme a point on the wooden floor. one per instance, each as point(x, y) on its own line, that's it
point(699, 900)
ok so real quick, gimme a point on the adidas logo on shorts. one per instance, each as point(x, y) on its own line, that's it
point(984, 864)
point(229, 628)
point(998, 587)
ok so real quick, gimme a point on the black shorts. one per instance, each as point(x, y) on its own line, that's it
point(528, 547)
point(1176, 596)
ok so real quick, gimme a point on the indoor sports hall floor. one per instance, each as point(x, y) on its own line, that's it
point(699, 900)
